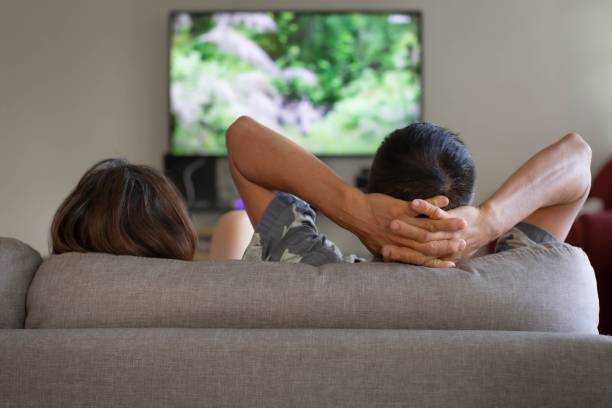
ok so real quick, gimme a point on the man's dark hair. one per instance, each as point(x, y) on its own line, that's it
point(421, 161)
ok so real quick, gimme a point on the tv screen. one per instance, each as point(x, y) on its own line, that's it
point(334, 82)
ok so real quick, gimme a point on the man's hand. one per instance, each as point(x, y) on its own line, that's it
point(478, 232)
point(423, 241)
point(547, 191)
point(480, 228)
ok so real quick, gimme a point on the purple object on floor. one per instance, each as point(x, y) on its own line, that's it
point(238, 204)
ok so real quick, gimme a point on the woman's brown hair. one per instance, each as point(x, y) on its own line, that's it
point(124, 209)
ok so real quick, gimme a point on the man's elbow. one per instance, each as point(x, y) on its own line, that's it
point(579, 146)
point(583, 154)
point(235, 130)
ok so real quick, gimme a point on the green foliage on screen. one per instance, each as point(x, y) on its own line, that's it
point(336, 83)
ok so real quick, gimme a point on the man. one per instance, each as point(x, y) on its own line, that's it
point(538, 203)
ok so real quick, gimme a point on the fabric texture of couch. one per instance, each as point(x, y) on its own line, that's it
point(504, 330)
point(593, 233)
point(18, 263)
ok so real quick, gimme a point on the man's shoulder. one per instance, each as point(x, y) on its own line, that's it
point(283, 212)
point(287, 232)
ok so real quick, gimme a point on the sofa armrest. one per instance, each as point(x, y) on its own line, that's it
point(593, 233)
point(18, 263)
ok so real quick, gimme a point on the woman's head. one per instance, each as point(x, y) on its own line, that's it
point(124, 209)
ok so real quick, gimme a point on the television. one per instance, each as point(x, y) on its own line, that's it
point(334, 82)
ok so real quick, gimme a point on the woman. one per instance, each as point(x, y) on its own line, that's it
point(125, 209)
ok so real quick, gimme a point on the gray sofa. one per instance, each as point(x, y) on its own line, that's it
point(517, 329)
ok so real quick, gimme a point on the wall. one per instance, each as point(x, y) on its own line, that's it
point(85, 80)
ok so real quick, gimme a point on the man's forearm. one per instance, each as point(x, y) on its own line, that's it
point(268, 159)
point(559, 174)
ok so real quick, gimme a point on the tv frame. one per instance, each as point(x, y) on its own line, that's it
point(174, 12)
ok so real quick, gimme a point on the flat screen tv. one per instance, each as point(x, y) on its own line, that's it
point(334, 82)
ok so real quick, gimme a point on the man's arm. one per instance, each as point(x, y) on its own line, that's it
point(547, 191)
point(262, 161)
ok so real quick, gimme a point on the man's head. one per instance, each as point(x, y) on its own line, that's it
point(422, 161)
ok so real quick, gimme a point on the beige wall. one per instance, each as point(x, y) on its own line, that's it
point(85, 80)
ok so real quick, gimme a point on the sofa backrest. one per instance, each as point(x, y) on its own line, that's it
point(18, 263)
point(548, 287)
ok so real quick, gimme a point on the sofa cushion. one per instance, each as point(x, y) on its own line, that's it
point(18, 262)
point(548, 287)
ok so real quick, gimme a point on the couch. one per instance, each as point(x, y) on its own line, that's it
point(593, 233)
point(517, 329)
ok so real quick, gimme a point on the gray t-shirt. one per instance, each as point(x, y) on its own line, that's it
point(287, 233)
